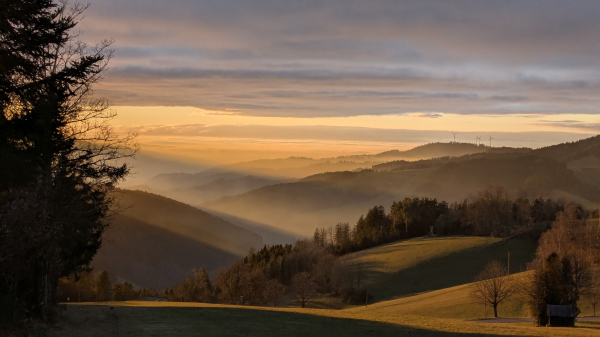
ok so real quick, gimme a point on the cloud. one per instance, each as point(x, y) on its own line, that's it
point(430, 115)
point(195, 133)
point(347, 57)
point(571, 125)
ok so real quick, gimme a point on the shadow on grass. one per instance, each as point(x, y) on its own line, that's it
point(211, 321)
point(449, 270)
point(588, 324)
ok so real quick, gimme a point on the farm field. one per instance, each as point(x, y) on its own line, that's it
point(185, 319)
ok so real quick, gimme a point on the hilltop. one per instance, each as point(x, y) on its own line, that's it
point(298, 167)
point(156, 241)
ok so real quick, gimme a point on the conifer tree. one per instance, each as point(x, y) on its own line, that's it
point(57, 152)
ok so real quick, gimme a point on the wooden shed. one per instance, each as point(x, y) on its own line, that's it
point(560, 315)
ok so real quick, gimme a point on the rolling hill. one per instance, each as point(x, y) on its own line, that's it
point(218, 186)
point(322, 200)
point(421, 287)
point(410, 267)
point(156, 241)
point(298, 167)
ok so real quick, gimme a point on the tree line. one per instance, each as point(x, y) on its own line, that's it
point(263, 277)
point(560, 274)
point(490, 212)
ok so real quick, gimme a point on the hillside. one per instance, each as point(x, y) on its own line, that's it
point(298, 167)
point(167, 181)
point(419, 308)
point(413, 266)
point(218, 186)
point(156, 241)
point(324, 199)
point(435, 150)
point(571, 151)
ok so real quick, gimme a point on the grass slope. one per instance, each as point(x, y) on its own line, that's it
point(419, 265)
point(455, 303)
point(194, 319)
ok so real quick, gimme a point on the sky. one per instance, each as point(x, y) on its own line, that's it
point(224, 81)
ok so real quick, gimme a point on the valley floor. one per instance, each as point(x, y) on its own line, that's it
point(192, 319)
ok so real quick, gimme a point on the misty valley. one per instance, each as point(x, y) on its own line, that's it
point(299, 168)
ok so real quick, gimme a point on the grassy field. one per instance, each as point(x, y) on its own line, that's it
point(184, 319)
point(421, 284)
point(426, 264)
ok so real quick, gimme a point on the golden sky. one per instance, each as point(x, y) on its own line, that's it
point(224, 81)
point(197, 135)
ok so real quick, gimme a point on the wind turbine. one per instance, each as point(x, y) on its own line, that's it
point(454, 133)
point(491, 141)
point(478, 140)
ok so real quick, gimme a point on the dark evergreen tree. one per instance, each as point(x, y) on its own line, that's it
point(57, 152)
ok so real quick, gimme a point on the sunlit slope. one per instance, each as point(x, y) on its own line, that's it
point(156, 241)
point(455, 302)
point(419, 265)
point(193, 319)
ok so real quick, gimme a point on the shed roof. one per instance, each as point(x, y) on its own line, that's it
point(560, 310)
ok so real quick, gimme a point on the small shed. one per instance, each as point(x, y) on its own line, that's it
point(560, 315)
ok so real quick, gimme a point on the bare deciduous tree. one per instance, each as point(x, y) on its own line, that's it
point(593, 291)
point(304, 287)
point(492, 286)
point(196, 288)
point(274, 291)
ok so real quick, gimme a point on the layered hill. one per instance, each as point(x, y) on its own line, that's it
point(299, 167)
point(156, 241)
point(565, 171)
point(211, 186)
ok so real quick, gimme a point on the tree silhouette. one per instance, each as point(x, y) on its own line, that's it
point(492, 286)
point(57, 152)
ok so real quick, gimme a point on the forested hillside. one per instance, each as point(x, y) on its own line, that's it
point(156, 241)
point(299, 167)
point(325, 199)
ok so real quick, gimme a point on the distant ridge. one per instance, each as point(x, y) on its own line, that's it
point(572, 150)
point(283, 169)
point(570, 171)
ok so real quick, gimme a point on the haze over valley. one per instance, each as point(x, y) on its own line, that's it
point(299, 168)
